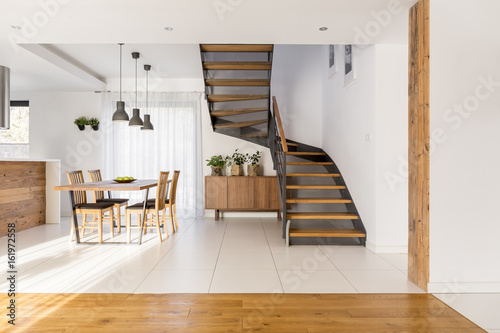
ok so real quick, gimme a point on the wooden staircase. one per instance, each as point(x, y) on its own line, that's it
point(310, 187)
point(237, 84)
point(316, 203)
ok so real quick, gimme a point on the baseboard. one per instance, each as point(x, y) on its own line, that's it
point(211, 213)
point(386, 249)
point(463, 287)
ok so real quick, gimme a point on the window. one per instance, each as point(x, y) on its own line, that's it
point(14, 142)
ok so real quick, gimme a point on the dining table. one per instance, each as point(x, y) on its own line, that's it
point(108, 186)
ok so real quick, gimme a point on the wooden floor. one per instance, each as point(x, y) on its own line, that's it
point(207, 313)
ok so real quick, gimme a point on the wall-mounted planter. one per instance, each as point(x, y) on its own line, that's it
point(81, 127)
point(95, 127)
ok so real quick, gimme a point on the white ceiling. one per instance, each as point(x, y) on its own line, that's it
point(86, 32)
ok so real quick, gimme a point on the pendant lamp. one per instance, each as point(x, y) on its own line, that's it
point(148, 126)
point(120, 113)
point(136, 113)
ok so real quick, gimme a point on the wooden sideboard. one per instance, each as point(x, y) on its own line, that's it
point(241, 194)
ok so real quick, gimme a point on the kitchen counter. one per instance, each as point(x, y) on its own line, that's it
point(26, 196)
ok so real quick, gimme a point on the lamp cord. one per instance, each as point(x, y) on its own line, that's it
point(121, 71)
point(136, 83)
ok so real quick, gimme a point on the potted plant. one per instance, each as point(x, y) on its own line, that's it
point(236, 162)
point(81, 122)
point(217, 162)
point(253, 167)
point(94, 122)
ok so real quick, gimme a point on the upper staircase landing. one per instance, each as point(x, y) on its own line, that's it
point(237, 86)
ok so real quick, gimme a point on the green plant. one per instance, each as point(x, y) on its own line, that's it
point(217, 161)
point(237, 158)
point(253, 159)
point(93, 121)
point(81, 121)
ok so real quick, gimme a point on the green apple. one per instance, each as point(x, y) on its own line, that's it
point(131, 178)
point(125, 178)
point(119, 178)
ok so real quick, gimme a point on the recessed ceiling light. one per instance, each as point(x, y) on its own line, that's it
point(168, 28)
point(323, 29)
point(16, 27)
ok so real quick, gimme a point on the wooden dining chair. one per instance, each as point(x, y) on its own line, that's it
point(95, 176)
point(152, 208)
point(170, 203)
point(83, 207)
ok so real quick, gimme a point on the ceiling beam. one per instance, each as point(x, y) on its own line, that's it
point(44, 52)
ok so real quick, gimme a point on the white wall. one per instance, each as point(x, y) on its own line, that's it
point(465, 160)
point(54, 136)
point(348, 117)
point(297, 86)
point(391, 140)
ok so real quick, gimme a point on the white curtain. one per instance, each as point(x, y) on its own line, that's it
point(175, 144)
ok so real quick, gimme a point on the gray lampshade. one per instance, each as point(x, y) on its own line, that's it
point(120, 113)
point(136, 118)
point(148, 126)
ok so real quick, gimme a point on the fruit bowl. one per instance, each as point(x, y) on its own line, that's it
point(124, 180)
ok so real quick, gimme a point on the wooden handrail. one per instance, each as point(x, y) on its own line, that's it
point(280, 125)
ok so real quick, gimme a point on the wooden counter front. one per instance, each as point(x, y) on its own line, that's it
point(22, 194)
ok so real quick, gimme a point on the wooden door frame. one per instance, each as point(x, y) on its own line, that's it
point(418, 144)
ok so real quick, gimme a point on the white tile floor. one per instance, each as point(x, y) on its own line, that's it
point(232, 255)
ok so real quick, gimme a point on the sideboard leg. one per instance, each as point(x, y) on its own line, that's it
point(216, 214)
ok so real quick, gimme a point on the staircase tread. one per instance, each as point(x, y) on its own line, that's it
point(309, 163)
point(237, 82)
point(326, 233)
point(292, 144)
point(318, 200)
point(231, 112)
point(305, 153)
point(228, 98)
point(236, 47)
point(255, 135)
point(324, 215)
point(316, 187)
point(313, 174)
point(241, 123)
point(237, 65)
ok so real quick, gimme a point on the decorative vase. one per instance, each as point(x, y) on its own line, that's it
point(236, 170)
point(216, 171)
point(95, 127)
point(253, 169)
point(81, 127)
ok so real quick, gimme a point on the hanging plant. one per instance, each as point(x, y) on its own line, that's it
point(94, 122)
point(81, 122)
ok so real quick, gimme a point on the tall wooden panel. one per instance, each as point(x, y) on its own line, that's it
point(215, 192)
point(22, 195)
point(241, 193)
point(265, 193)
point(418, 144)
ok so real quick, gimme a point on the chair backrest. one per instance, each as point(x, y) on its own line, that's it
point(95, 176)
point(161, 190)
point(173, 186)
point(76, 177)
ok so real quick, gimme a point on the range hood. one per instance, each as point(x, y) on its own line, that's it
point(4, 97)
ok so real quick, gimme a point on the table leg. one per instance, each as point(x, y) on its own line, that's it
point(143, 215)
point(75, 217)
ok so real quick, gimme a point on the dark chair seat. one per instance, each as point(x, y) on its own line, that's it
point(115, 201)
point(140, 206)
point(154, 200)
point(99, 205)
